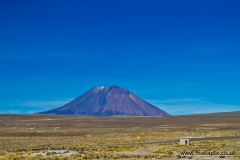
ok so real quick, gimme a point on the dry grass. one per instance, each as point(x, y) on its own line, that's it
point(80, 133)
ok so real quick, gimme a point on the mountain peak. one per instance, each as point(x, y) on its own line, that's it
point(108, 101)
point(103, 87)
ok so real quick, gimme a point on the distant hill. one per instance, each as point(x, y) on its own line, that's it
point(108, 101)
point(235, 113)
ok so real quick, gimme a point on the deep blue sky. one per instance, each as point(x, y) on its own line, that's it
point(183, 56)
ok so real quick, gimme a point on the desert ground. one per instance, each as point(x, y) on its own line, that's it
point(81, 137)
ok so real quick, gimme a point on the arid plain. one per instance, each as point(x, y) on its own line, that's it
point(79, 137)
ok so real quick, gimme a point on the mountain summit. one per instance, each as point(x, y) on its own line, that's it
point(108, 101)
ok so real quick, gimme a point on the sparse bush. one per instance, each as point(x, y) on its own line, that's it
point(164, 151)
point(178, 156)
point(238, 154)
point(48, 153)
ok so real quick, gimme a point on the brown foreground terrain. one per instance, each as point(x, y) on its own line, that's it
point(78, 137)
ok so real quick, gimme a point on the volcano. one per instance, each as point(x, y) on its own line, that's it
point(108, 101)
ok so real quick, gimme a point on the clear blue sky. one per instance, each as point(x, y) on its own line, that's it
point(183, 56)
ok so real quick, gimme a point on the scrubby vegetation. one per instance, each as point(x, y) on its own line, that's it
point(89, 136)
